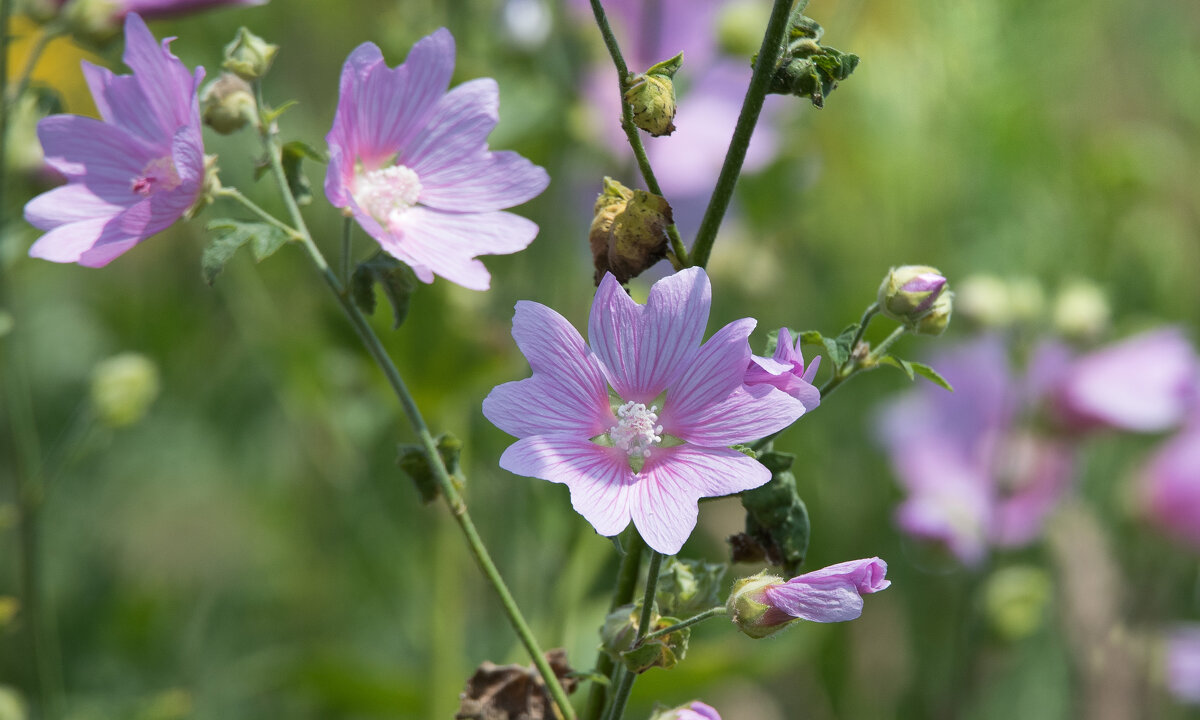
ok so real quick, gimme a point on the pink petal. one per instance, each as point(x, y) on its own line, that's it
point(614, 331)
point(748, 413)
point(832, 594)
point(104, 156)
point(74, 242)
point(716, 371)
point(447, 243)
point(598, 477)
point(664, 501)
point(168, 88)
point(68, 204)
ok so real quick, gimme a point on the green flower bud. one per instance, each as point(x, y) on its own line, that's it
point(651, 96)
point(909, 292)
point(983, 300)
point(935, 321)
point(96, 22)
point(123, 387)
point(1026, 298)
point(1015, 600)
point(249, 56)
point(749, 610)
point(227, 104)
point(628, 232)
point(1081, 310)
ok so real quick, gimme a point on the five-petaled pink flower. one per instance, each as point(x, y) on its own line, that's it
point(763, 604)
point(410, 162)
point(661, 441)
point(132, 175)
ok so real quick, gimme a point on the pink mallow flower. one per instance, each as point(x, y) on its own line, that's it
point(660, 441)
point(785, 370)
point(1170, 486)
point(695, 710)
point(410, 162)
point(132, 175)
point(1145, 383)
point(764, 604)
point(1183, 663)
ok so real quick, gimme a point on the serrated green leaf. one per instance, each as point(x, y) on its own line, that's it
point(839, 348)
point(903, 365)
point(229, 235)
point(811, 337)
point(930, 374)
point(777, 522)
point(396, 279)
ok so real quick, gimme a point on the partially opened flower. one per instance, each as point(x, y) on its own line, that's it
point(785, 370)
point(763, 604)
point(132, 175)
point(409, 161)
point(695, 710)
point(660, 441)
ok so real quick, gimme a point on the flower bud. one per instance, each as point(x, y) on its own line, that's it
point(651, 96)
point(1081, 310)
point(96, 22)
point(983, 300)
point(1015, 600)
point(910, 291)
point(935, 321)
point(628, 232)
point(227, 104)
point(249, 56)
point(619, 630)
point(123, 387)
point(750, 609)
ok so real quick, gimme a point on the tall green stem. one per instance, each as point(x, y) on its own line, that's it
point(626, 678)
point(631, 131)
point(627, 575)
point(458, 507)
point(760, 81)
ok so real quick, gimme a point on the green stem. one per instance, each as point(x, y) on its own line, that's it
point(631, 131)
point(458, 508)
point(347, 229)
point(21, 81)
point(235, 194)
point(694, 620)
point(882, 348)
point(760, 81)
point(626, 678)
point(627, 575)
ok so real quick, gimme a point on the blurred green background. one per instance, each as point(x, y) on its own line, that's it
point(249, 548)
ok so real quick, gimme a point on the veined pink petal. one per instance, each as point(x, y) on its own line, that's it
point(489, 182)
point(614, 332)
point(598, 477)
point(168, 89)
point(106, 157)
point(447, 243)
point(546, 405)
point(67, 204)
point(715, 372)
point(748, 413)
point(66, 243)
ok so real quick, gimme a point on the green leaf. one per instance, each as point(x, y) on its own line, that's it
point(930, 374)
point(664, 652)
point(899, 364)
point(271, 115)
point(777, 523)
point(838, 348)
point(396, 279)
point(811, 337)
point(688, 587)
point(414, 463)
point(291, 156)
point(229, 235)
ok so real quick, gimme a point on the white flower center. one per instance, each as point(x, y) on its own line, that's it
point(636, 430)
point(388, 192)
point(159, 174)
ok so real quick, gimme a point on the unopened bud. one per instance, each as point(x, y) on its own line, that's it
point(750, 610)
point(1081, 310)
point(651, 96)
point(249, 56)
point(619, 630)
point(983, 300)
point(96, 22)
point(123, 387)
point(1015, 600)
point(227, 104)
point(1027, 299)
point(40, 11)
point(909, 292)
point(935, 321)
point(628, 232)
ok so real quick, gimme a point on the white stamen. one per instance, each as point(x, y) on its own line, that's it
point(387, 192)
point(636, 430)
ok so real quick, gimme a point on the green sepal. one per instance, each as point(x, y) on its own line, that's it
point(689, 587)
point(414, 463)
point(931, 375)
point(270, 115)
point(229, 235)
point(396, 279)
point(667, 67)
point(291, 156)
point(664, 652)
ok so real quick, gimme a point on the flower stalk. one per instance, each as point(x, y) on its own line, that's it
point(627, 576)
point(624, 677)
point(455, 502)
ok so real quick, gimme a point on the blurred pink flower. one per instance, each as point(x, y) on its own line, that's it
point(154, 9)
point(785, 370)
point(1145, 383)
point(130, 176)
point(410, 162)
point(974, 477)
point(1170, 486)
point(763, 604)
point(1183, 663)
point(695, 710)
point(649, 453)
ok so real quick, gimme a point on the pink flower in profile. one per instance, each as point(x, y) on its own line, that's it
point(1145, 383)
point(1170, 486)
point(132, 175)
point(660, 441)
point(763, 604)
point(785, 370)
point(695, 710)
point(1183, 663)
point(410, 162)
